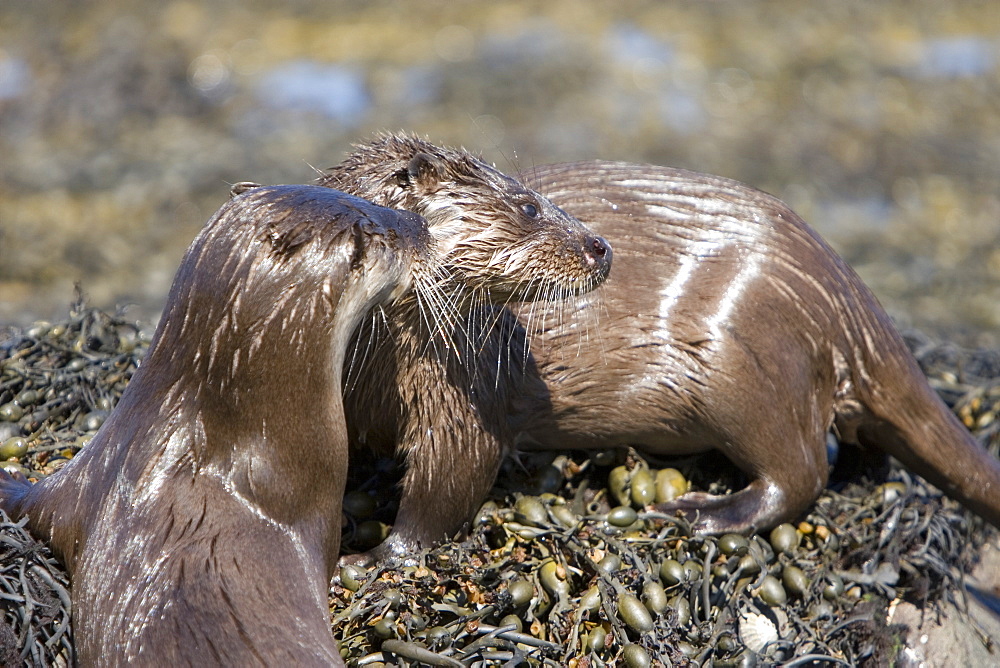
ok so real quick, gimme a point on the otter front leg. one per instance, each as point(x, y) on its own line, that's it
point(447, 478)
point(452, 438)
point(445, 483)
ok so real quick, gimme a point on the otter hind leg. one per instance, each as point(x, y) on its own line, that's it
point(784, 458)
point(757, 506)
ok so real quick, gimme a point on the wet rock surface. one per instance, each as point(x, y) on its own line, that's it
point(947, 637)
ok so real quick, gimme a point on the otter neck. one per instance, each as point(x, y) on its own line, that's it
point(252, 395)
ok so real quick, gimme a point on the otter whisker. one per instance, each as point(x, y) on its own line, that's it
point(427, 317)
point(595, 305)
point(352, 359)
point(368, 333)
point(439, 314)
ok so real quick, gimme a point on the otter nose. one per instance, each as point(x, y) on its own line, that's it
point(598, 252)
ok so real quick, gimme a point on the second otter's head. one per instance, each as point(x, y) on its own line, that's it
point(493, 234)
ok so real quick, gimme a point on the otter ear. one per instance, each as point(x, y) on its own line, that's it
point(242, 187)
point(424, 171)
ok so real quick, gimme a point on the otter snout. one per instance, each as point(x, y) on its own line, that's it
point(597, 254)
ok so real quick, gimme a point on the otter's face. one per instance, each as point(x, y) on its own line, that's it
point(498, 237)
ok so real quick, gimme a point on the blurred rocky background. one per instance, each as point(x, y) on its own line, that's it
point(122, 123)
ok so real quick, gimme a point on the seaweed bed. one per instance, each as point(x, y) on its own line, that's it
point(565, 565)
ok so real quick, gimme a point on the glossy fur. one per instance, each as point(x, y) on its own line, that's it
point(729, 325)
point(201, 526)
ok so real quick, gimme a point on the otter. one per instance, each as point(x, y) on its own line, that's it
point(727, 325)
point(438, 391)
point(202, 523)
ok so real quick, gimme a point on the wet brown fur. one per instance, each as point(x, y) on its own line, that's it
point(201, 526)
point(728, 324)
point(435, 396)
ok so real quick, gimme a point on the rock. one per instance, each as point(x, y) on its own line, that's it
point(954, 639)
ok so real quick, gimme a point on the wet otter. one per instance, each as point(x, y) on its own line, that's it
point(726, 302)
point(436, 396)
point(202, 523)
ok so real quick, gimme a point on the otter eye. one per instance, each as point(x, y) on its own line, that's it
point(530, 210)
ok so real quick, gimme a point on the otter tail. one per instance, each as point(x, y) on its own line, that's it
point(907, 419)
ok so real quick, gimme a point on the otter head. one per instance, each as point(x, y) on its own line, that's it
point(492, 233)
point(277, 269)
